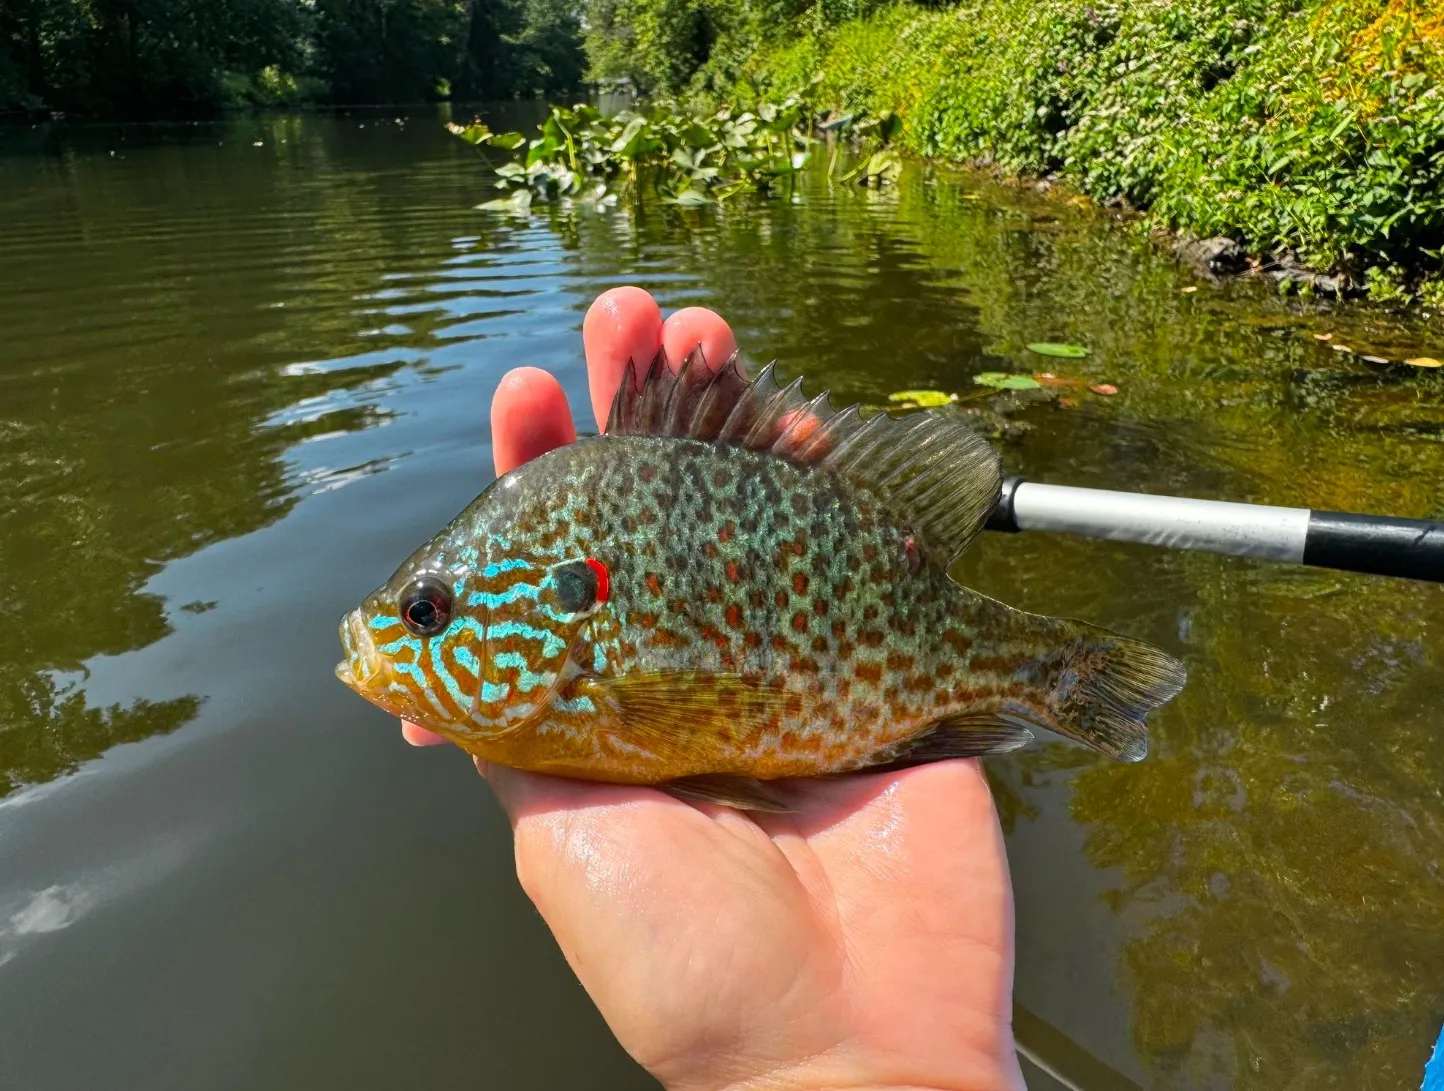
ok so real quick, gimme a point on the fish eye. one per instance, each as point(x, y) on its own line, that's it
point(426, 606)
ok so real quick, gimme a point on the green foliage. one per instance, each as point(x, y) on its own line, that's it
point(1314, 127)
point(161, 57)
point(690, 159)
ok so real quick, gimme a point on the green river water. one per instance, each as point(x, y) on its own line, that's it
point(245, 369)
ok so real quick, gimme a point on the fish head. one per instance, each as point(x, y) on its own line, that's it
point(473, 648)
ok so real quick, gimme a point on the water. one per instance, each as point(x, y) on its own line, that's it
point(246, 369)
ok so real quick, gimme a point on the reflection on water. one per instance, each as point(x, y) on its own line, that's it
point(245, 372)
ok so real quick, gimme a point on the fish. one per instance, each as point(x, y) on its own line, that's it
point(731, 587)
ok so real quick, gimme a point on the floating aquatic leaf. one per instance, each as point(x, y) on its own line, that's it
point(1054, 348)
point(1424, 361)
point(1341, 348)
point(923, 398)
point(1106, 389)
point(1374, 359)
point(1323, 337)
point(1001, 380)
point(520, 201)
point(508, 140)
point(690, 198)
point(1190, 288)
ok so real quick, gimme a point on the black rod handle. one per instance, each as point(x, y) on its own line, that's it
point(1376, 544)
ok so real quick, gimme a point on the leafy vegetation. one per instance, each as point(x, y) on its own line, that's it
point(166, 57)
point(1308, 130)
point(688, 158)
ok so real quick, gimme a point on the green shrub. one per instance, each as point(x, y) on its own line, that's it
point(1315, 126)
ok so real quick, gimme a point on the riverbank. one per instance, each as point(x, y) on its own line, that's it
point(1310, 132)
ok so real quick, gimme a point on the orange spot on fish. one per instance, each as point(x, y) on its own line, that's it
point(799, 582)
point(868, 672)
point(654, 585)
point(734, 615)
point(799, 622)
point(733, 572)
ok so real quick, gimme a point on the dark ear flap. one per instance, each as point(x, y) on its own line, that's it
point(576, 586)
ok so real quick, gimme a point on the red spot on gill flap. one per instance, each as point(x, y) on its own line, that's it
point(604, 579)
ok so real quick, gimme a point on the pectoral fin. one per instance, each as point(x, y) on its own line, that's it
point(691, 712)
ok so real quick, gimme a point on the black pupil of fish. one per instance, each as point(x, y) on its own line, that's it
point(576, 587)
point(427, 608)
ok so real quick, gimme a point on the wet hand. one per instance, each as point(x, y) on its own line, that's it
point(863, 941)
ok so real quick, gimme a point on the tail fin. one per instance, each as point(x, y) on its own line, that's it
point(1106, 687)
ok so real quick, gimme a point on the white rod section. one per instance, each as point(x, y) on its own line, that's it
point(1246, 530)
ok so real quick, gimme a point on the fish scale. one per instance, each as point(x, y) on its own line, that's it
point(731, 587)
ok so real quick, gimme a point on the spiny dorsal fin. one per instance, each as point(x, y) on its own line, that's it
point(938, 476)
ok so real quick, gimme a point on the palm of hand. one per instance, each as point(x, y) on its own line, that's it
point(863, 940)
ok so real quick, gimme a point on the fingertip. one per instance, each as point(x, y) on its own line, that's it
point(621, 325)
point(529, 417)
point(691, 327)
point(417, 735)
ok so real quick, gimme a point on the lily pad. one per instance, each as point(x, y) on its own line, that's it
point(1054, 348)
point(924, 398)
point(1001, 380)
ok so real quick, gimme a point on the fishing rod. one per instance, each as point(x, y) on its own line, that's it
point(1376, 544)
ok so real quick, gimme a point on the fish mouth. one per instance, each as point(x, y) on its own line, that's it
point(363, 667)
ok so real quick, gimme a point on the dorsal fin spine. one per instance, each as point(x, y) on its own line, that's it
point(936, 476)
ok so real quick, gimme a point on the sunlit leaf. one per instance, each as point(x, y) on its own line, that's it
point(1055, 348)
point(1423, 361)
point(508, 140)
point(1106, 389)
point(1002, 380)
point(924, 398)
point(475, 133)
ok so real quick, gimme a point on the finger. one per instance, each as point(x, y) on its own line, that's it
point(694, 327)
point(529, 417)
point(417, 735)
point(522, 794)
point(622, 324)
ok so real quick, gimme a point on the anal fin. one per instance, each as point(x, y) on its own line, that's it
point(739, 792)
point(970, 735)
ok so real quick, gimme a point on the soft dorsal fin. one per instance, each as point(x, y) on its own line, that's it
point(938, 476)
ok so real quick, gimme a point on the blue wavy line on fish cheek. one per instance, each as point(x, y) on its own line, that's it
point(384, 621)
point(494, 599)
point(509, 564)
point(411, 670)
point(552, 645)
point(438, 666)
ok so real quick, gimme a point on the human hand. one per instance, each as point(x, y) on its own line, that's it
point(863, 940)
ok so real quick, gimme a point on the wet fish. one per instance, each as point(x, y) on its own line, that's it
point(732, 586)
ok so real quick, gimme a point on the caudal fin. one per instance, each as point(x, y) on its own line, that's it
point(1107, 686)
